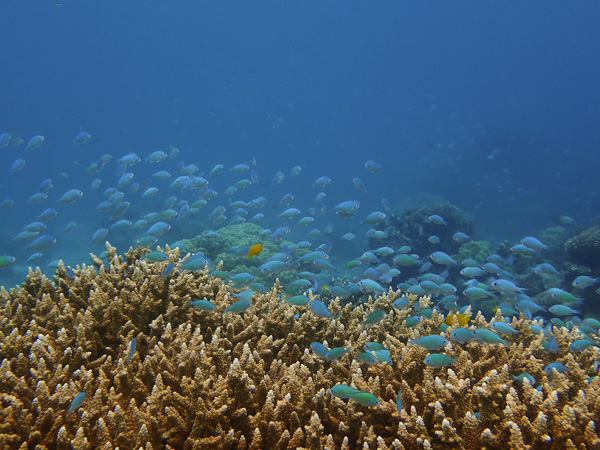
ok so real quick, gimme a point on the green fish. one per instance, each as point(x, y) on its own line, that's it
point(336, 353)
point(373, 319)
point(204, 305)
point(298, 300)
point(438, 360)
point(519, 378)
point(156, 256)
point(365, 399)
point(353, 263)
point(367, 358)
point(238, 307)
point(219, 273)
point(6, 261)
point(373, 346)
point(488, 336)
point(412, 321)
point(430, 342)
point(343, 391)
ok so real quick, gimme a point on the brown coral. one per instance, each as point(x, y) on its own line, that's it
point(205, 379)
point(585, 247)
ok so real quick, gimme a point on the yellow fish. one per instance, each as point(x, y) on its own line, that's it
point(255, 250)
point(463, 319)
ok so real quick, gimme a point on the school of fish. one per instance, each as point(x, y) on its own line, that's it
point(326, 244)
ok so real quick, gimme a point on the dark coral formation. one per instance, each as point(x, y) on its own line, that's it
point(585, 248)
point(203, 379)
point(412, 228)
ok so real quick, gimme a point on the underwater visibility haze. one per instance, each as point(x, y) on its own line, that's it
point(433, 165)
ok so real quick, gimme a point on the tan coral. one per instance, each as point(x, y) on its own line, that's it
point(250, 380)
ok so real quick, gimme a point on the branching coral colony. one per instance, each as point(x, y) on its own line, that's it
point(195, 378)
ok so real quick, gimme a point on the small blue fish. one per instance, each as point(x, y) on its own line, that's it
point(238, 307)
point(347, 208)
point(430, 342)
point(581, 344)
point(525, 375)
point(374, 218)
point(18, 164)
point(204, 305)
point(71, 196)
point(81, 138)
point(591, 322)
point(320, 350)
point(533, 243)
point(156, 156)
point(443, 258)
point(462, 335)
point(438, 360)
point(583, 282)
point(216, 170)
point(412, 321)
point(168, 270)
point(273, 266)
point(383, 355)
point(365, 399)
point(34, 143)
point(132, 346)
point(358, 184)
point(553, 346)
point(558, 366)
point(243, 278)
point(503, 327)
point(69, 272)
point(280, 233)
point(336, 353)
point(298, 300)
point(322, 182)
point(246, 294)
point(43, 242)
point(373, 346)
point(320, 309)
point(436, 219)
point(367, 358)
point(373, 319)
point(343, 391)
point(77, 401)
point(373, 166)
point(368, 285)
point(130, 159)
point(488, 336)
point(563, 310)
point(400, 303)
point(158, 229)
point(156, 256)
point(47, 214)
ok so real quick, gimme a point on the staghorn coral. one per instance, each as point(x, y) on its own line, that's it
point(203, 379)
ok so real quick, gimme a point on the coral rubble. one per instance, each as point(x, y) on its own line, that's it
point(204, 379)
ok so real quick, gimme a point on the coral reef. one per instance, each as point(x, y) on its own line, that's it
point(230, 237)
point(204, 379)
point(477, 250)
point(412, 224)
point(585, 248)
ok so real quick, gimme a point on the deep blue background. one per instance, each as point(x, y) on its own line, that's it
point(493, 106)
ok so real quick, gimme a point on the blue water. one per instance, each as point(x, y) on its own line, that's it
point(491, 106)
